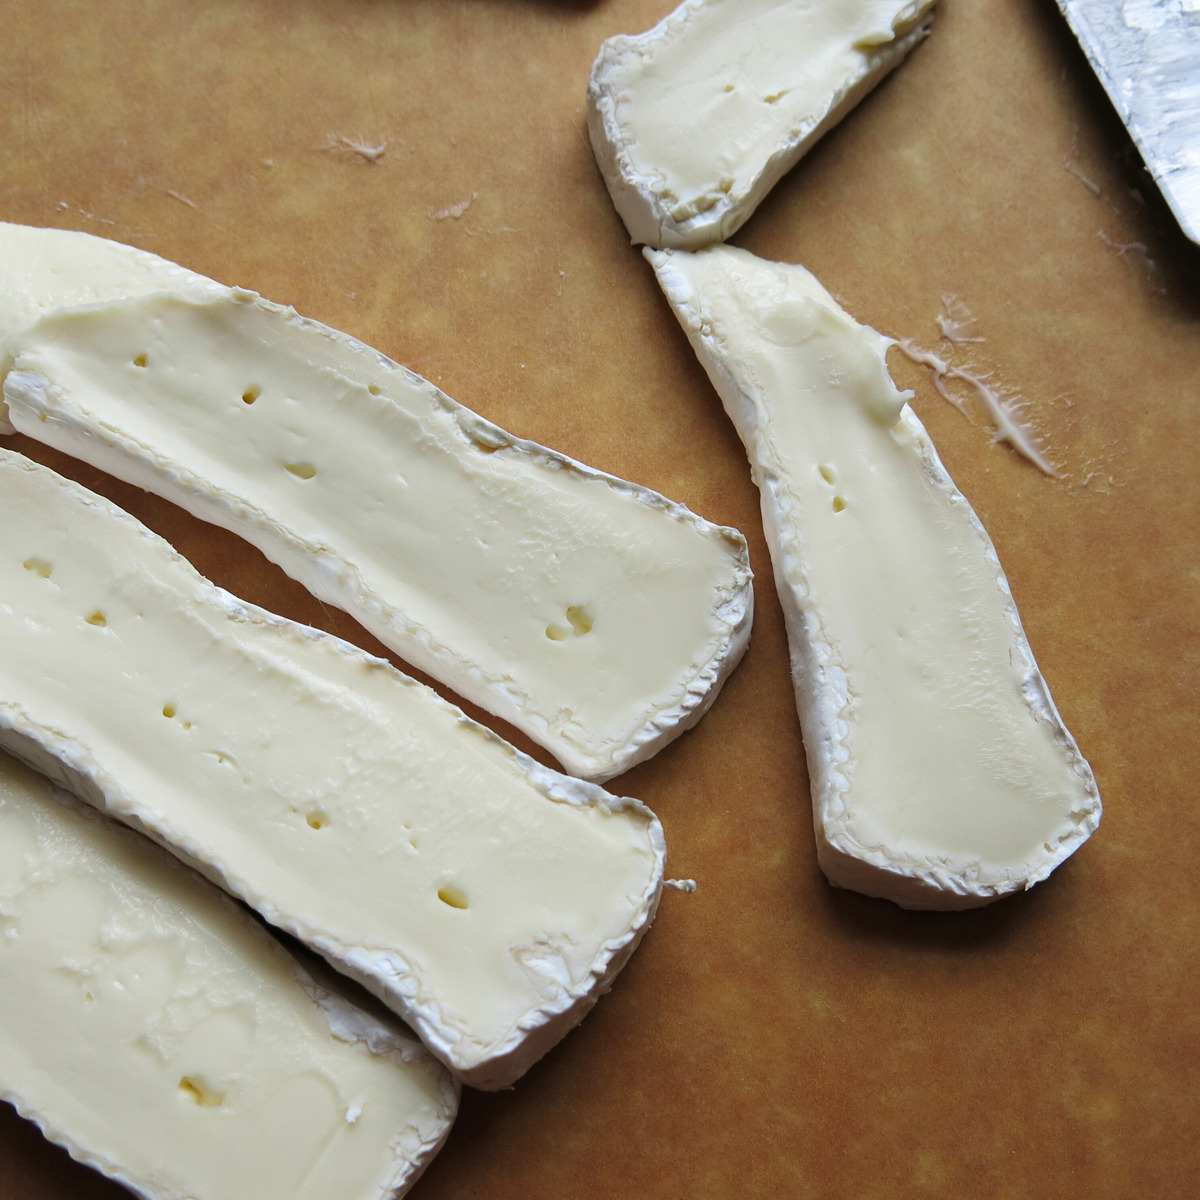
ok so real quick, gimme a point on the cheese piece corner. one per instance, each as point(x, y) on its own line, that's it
point(694, 121)
point(942, 775)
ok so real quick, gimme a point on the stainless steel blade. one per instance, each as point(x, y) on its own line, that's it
point(1146, 54)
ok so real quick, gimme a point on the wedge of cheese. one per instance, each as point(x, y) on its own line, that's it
point(693, 122)
point(942, 775)
point(160, 1035)
point(486, 899)
point(593, 614)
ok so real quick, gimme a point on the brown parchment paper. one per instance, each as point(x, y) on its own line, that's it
point(772, 1037)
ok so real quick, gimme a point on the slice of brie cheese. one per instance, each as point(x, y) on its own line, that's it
point(693, 122)
point(485, 898)
point(942, 775)
point(593, 614)
point(160, 1035)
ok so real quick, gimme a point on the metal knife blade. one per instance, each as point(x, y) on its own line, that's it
point(1146, 54)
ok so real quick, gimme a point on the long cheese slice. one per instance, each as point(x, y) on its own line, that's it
point(593, 614)
point(693, 122)
point(163, 1037)
point(942, 775)
point(486, 899)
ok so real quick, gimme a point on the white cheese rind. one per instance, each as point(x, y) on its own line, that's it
point(161, 1036)
point(942, 775)
point(593, 614)
point(348, 804)
point(694, 121)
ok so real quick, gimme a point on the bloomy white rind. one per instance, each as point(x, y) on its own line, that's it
point(414, 1148)
point(541, 1028)
point(335, 580)
point(820, 686)
point(636, 195)
point(93, 1162)
point(386, 976)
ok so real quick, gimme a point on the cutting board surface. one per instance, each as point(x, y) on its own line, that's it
point(772, 1037)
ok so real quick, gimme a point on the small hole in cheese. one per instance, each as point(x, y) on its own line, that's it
point(39, 567)
point(251, 394)
point(169, 711)
point(97, 618)
point(317, 820)
point(556, 633)
point(301, 470)
point(827, 472)
point(196, 1091)
point(374, 389)
point(142, 360)
point(839, 504)
point(452, 896)
point(580, 618)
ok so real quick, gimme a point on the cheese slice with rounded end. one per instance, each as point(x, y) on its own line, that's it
point(593, 614)
point(942, 775)
point(693, 122)
point(158, 1033)
point(486, 899)
point(45, 269)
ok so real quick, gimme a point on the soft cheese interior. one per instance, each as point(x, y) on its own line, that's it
point(593, 614)
point(942, 775)
point(704, 112)
point(159, 1033)
point(486, 898)
point(45, 269)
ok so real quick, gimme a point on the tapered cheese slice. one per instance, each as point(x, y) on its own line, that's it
point(942, 775)
point(693, 122)
point(45, 269)
point(486, 899)
point(157, 1032)
point(595, 615)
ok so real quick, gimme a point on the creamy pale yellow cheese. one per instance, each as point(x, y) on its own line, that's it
point(694, 121)
point(158, 1033)
point(487, 899)
point(942, 775)
point(45, 269)
point(593, 614)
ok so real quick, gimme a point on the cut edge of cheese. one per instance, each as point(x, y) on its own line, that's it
point(81, 832)
point(40, 410)
point(823, 695)
point(385, 974)
point(637, 194)
point(541, 1029)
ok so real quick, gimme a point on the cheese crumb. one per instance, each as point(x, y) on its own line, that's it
point(681, 885)
point(357, 145)
point(1008, 427)
point(453, 212)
